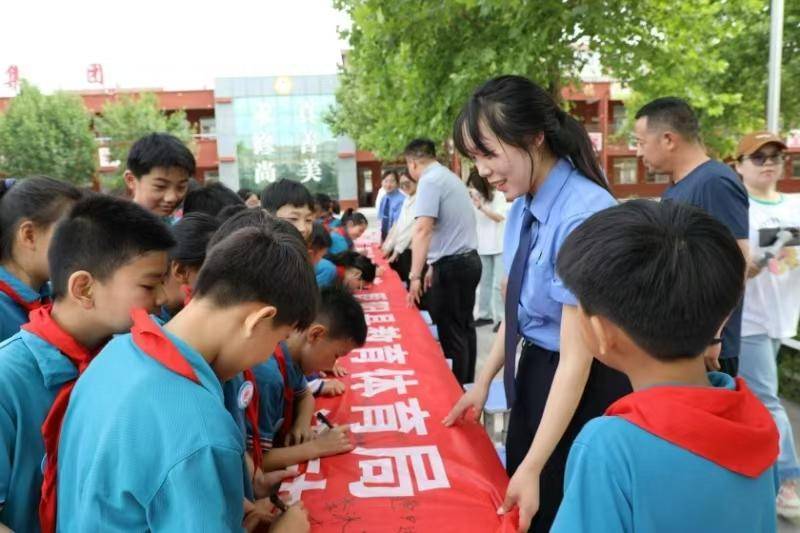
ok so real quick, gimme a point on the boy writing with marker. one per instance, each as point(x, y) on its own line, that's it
point(147, 433)
point(687, 450)
point(106, 257)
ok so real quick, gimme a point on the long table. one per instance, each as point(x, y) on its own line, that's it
point(408, 473)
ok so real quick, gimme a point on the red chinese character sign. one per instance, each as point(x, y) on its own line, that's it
point(12, 77)
point(94, 74)
point(408, 473)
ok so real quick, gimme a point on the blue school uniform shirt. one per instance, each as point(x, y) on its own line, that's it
point(270, 388)
point(32, 371)
point(339, 243)
point(621, 478)
point(325, 271)
point(715, 187)
point(143, 448)
point(564, 201)
point(235, 399)
point(389, 209)
point(12, 316)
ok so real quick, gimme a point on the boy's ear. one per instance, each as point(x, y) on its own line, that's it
point(316, 332)
point(80, 288)
point(179, 272)
point(130, 181)
point(254, 318)
point(601, 333)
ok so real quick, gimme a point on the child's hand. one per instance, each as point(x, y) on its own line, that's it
point(338, 371)
point(333, 387)
point(298, 435)
point(264, 482)
point(258, 515)
point(294, 520)
point(333, 442)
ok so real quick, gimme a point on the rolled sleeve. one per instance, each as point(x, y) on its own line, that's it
point(429, 196)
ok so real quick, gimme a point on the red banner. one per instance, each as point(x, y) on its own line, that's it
point(408, 473)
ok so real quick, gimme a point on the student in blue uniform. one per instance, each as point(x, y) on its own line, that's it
point(542, 158)
point(688, 450)
point(353, 226)
point(192, 233)
point(285, 397)
point(28, 212)
point(158, 172)
point(289, 200)
point(319, 245)
point(353, 269)
point(147, 442)
point(107, 256)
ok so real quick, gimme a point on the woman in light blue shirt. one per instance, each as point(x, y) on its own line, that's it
point(542, 158)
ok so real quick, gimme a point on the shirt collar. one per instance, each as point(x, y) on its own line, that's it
point(542, 202)
point(56, 369)
point(24, 291)
point(430, 168)
point(208, 379)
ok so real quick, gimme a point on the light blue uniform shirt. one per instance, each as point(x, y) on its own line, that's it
point(563, 202)
point(270, 388)
point(339, 243)
point(621, 478)
point(12, 316)
point(325, 272)
point(143, 448)
point(32, 372)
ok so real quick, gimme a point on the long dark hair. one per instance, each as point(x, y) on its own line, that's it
point(481, 185)
point(515, 110)
point(351, 215)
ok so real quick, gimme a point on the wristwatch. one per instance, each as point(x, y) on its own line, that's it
point(413, 277)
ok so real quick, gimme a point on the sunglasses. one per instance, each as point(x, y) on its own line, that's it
point(759, 159)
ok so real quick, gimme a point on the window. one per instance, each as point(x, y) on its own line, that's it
point(210, 176)
point(208, 126)
point(624, 170)
point(653, 177)
point(795, 167)
point(617, 117)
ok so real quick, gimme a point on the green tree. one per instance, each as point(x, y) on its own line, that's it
point(412, 64)
point(128, 119)
point(47, 134)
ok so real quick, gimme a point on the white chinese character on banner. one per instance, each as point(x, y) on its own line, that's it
point(265, 171)
point(263, 114)
point(311, 171)
point(309, 146)
point(383, 334)
point(382, 380)
point(389, 475)
point(296, 486)
point(398, 416)
point(382, 354)
point(307, 111)
point(372, 297)
point(375, 307)
point(375, 319)
point(263, 144)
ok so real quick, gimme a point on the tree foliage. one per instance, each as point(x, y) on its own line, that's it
point(47, 134)
point(413, 63)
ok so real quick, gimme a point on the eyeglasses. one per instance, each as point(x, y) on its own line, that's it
point(760, 159)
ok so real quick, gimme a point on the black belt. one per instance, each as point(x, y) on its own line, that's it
point(455, 257)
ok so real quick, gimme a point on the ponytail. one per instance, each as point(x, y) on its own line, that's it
point(516, 110)
point(356, 218)
point(40, 199)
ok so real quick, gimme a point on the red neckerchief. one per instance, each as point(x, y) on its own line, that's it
point(341, 231)
point(154, 342)
point(340, 272)
point(42, 325)
point(252, 412)
point(187, 294)
point(288, 394)
point(9, 291)
point(731, 428)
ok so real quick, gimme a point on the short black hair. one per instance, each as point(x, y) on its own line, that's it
point(283, 278)
point(192, 233)
point(420, 149)
point(101, 234)
point(245, 193)
point(286, 192)
point(342, 314)
point(351, 215)
point(210, 199)
point(159, 150)
point(320, 238)
point(391, 172)
point(353, 259)
point(667, 274)
point(40, 199)
point(229, 210)
point(672, 113)
point(323, 201)
point(254, 218)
